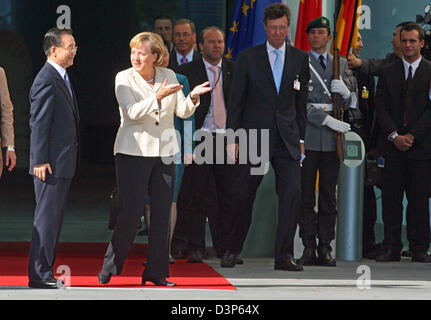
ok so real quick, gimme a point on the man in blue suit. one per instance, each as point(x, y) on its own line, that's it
point(54, 141)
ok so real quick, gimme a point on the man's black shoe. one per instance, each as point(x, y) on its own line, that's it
point(289, 265)
point(196, 256)
point(43, 284)
point(389, 255)
point(325, 259)
point(179, 254)
point(309, 257)
point(229, 260)
point(420, 257)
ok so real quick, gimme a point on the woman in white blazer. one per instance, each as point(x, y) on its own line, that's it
point(144, 149)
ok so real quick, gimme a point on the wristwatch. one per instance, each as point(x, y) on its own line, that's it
point(10, 148)
point(392, 136)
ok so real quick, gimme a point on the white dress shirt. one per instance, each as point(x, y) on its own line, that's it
point(414, 66)
point(189, 56)
point(57, 67)
point(272, 56)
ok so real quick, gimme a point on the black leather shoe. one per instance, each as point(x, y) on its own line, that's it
point(372, 251)
point(104, 278)
point(43, 284)
point(389, 255)
point(289, 264)
point(158, 282)
point(309, 257)
point(239, 260)
point(196, 257)
point(420, 257)
point(324, 258)
point(228, 260)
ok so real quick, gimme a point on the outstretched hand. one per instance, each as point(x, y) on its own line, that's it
point(200, 89)
point(167, 89)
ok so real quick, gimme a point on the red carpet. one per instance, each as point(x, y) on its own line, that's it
point(85, 261)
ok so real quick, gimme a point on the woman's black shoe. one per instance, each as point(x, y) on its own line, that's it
point(158, 282)
point(104, 278)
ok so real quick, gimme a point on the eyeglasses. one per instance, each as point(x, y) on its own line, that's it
point(71, 48)
point(184, 35)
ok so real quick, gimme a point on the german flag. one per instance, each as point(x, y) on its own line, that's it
point(347, 25)
point(308, 11)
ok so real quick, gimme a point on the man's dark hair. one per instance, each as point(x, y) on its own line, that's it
point(276, 11)
point(414, 26)
point(202, 33)
point(162, 17)
point(402, 24)
point(186, 21)
point(53, 39)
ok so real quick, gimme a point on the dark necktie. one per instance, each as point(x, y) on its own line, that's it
point(322, 62)
point(408, 85)
point(184, 60)
point(66, 79)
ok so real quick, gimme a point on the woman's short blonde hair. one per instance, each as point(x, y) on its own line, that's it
point(154, 40)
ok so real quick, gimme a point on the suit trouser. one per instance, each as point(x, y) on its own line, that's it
point(195, 211)
point(135, 177)
point(322, 224)
point(51, 197)
point(369, 218)
point(288, 189)
point(410, 176)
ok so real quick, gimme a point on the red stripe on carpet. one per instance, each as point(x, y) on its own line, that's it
point(85, 261)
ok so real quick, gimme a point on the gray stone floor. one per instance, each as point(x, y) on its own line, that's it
point(256, 280)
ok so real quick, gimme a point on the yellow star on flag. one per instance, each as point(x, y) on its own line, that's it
point(252, 3)
point(245, 7)
point(228, 55)
point(234, 28)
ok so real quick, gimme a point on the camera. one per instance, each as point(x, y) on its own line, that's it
point(425, 22)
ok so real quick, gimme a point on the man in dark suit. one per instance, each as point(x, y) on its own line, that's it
point(404, 117)
point(184, 39)
point(370, 66)
point(53, 152)
point(211, 117)
point(269, 91)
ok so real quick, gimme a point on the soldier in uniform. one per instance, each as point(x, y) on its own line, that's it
point(320, 147)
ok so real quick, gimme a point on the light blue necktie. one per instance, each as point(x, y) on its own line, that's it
point(66, 79)
point(277, 70)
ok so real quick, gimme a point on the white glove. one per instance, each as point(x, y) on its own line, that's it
point(338, 86)
point(336, 125)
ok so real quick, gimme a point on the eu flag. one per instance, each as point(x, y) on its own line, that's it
point(247, 26)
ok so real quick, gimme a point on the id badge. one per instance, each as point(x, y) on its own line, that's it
point(297, 85)
point(365, 93)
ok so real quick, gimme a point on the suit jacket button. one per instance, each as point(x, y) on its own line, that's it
point(157, 123)
point(157, 113)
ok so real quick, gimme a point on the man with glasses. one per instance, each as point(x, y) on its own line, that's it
point(54, 152)
point(184, 41)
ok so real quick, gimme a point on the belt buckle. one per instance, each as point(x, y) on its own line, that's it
point(325, 107)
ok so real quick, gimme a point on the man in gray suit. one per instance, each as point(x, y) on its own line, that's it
point(320, 147)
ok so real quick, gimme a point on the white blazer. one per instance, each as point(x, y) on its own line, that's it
point(146, 129)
